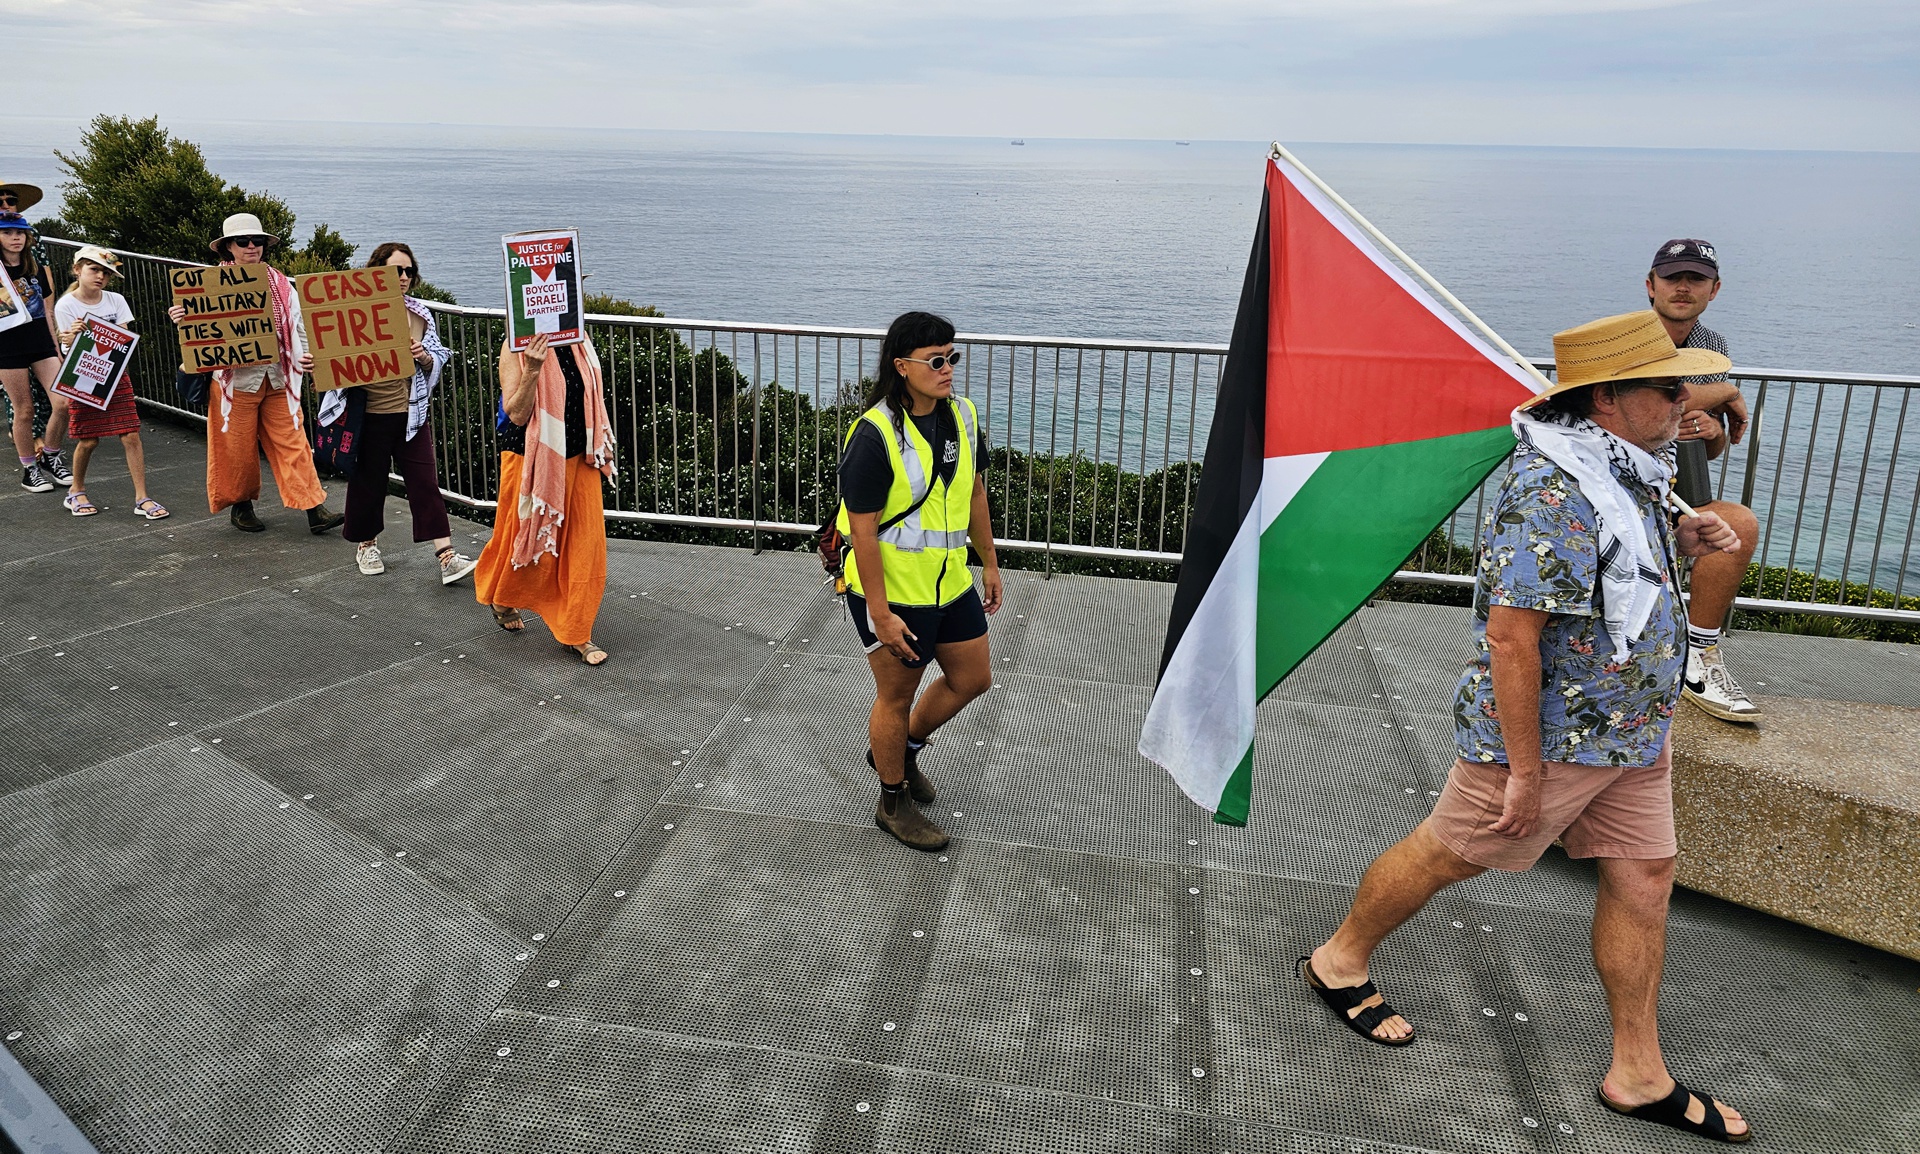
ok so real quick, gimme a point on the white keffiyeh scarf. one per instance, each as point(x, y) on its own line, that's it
point(1630, 568)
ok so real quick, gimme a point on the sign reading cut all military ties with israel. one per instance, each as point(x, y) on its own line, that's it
point(229, 322)
point(543, 288)
point(356, 324)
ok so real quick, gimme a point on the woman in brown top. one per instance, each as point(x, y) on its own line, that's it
point(396, 432)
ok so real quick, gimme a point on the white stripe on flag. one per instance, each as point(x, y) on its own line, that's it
point(1280, 479)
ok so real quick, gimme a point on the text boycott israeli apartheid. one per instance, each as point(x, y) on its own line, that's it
point(229, 321)
point(543, 287)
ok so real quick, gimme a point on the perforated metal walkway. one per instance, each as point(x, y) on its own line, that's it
point(293, 859)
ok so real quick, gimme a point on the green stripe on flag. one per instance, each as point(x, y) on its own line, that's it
point(1233, 799)
point(1348, 529)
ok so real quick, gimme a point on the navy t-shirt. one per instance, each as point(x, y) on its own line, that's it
point(866, 469)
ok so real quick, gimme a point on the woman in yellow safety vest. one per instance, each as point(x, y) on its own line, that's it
point(912, 499)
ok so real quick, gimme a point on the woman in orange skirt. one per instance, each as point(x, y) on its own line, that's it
point(548, 553)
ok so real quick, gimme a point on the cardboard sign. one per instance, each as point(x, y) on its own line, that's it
point(229, 317)
point(543, 288)
point(357, 327)
point(96, 363)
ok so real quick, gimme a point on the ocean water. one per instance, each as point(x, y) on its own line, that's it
point(1135, 239)
point(1149, 240)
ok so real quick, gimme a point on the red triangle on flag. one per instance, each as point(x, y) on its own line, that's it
point(1358, 354)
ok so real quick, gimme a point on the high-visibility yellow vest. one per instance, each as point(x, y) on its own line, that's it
point(924, 557)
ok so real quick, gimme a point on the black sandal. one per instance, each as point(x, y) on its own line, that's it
point(1342, 999)
point(1672, 1111)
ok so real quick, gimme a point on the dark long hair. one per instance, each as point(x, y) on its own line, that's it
point(383, 251)
point(909, 331)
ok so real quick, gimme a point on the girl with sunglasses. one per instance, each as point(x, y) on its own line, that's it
point(913, 498)
point(257, 407)
point(30, 353)
point(395, 431)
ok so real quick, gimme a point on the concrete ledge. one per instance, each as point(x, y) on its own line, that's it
point(1814, 815)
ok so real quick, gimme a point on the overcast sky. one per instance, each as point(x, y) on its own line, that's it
point(1728, 73)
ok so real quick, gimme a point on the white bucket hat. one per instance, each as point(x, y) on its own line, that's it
point(94, 254)
point(242, 224)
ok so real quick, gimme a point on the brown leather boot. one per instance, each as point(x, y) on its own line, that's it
point(243, 518)
point(918, 784)
point(898, 817)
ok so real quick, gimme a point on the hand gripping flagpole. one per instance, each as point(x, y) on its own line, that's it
point(1280, 153)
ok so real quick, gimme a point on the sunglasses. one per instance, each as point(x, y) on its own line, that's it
point(8, 198)
point(1671, 392)
point(937, 361)
point(405, 270)
point(249, 241)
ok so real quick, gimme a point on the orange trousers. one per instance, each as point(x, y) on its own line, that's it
point(259, 421)
point(565, 590)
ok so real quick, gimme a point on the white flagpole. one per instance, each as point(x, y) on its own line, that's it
point(1280, 152)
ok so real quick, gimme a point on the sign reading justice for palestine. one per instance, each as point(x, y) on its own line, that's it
point(96, 363)
point(357, 328)
point(543, 287)
point(229, 317)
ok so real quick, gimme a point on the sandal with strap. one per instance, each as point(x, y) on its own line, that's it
point(79, 506)
point(151, 509)
point(1672, 1111)
point(590, 653)
point(1342, 999)
point(507, 618)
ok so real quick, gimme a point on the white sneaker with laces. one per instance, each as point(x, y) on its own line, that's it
point(368, 557)
point(455, 566)
point(1710, 685)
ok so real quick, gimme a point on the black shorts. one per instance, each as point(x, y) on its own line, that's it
point(23, 346)
point(961, 619)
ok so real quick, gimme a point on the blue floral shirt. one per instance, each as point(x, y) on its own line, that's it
point(1539, 550)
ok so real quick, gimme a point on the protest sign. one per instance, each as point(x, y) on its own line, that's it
point(357, 327)
point(96, 363)
point(13, 310)
point(229, 317)
point(543, 287)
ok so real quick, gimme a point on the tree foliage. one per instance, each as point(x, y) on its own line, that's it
point(131, 185)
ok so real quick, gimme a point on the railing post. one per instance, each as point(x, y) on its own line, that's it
point(754, 471)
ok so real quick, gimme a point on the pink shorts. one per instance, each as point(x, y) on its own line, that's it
point(1592, 810)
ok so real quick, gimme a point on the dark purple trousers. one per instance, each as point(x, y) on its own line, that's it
point(383, 441)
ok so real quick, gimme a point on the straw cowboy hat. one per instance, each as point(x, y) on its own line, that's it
point(241, 224)
point(27, 195)
point(1629, 347)
point(100, 256)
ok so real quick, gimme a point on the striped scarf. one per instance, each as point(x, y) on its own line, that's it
point(543, 472)
point(286, 331)
point(1632, 577)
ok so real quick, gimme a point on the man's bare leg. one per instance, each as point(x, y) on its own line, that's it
point(1397, 886)
point(1629, 950)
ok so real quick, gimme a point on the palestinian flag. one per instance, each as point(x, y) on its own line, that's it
point(1354, 414)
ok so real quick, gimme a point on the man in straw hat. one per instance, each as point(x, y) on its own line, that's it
point(257, 407)
point(1683, 281)
point(1561, 720)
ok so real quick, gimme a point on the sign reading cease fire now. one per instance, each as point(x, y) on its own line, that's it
point(356, 325)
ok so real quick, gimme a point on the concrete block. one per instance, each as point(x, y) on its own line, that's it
point(1813, 815)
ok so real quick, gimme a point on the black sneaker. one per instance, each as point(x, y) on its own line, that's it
point(54, 464)
point(34, 479)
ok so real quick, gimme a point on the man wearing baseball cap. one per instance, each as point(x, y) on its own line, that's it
point(1684, 279)
point(1561, 722)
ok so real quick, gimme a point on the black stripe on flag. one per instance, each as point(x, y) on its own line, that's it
point(1231, 472)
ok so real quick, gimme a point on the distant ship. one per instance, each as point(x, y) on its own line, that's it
point(1183, 143)
point(1019, 142)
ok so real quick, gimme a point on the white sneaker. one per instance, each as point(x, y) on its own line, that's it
point(368, 557)
point(455, 566)
point(1711, 686)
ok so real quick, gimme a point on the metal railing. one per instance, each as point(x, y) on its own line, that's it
point(1096, 444)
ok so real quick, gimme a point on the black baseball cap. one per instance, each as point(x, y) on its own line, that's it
point(1684, 254)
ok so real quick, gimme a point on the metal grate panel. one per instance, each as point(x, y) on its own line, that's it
point(513, 801)
point(182, 978)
